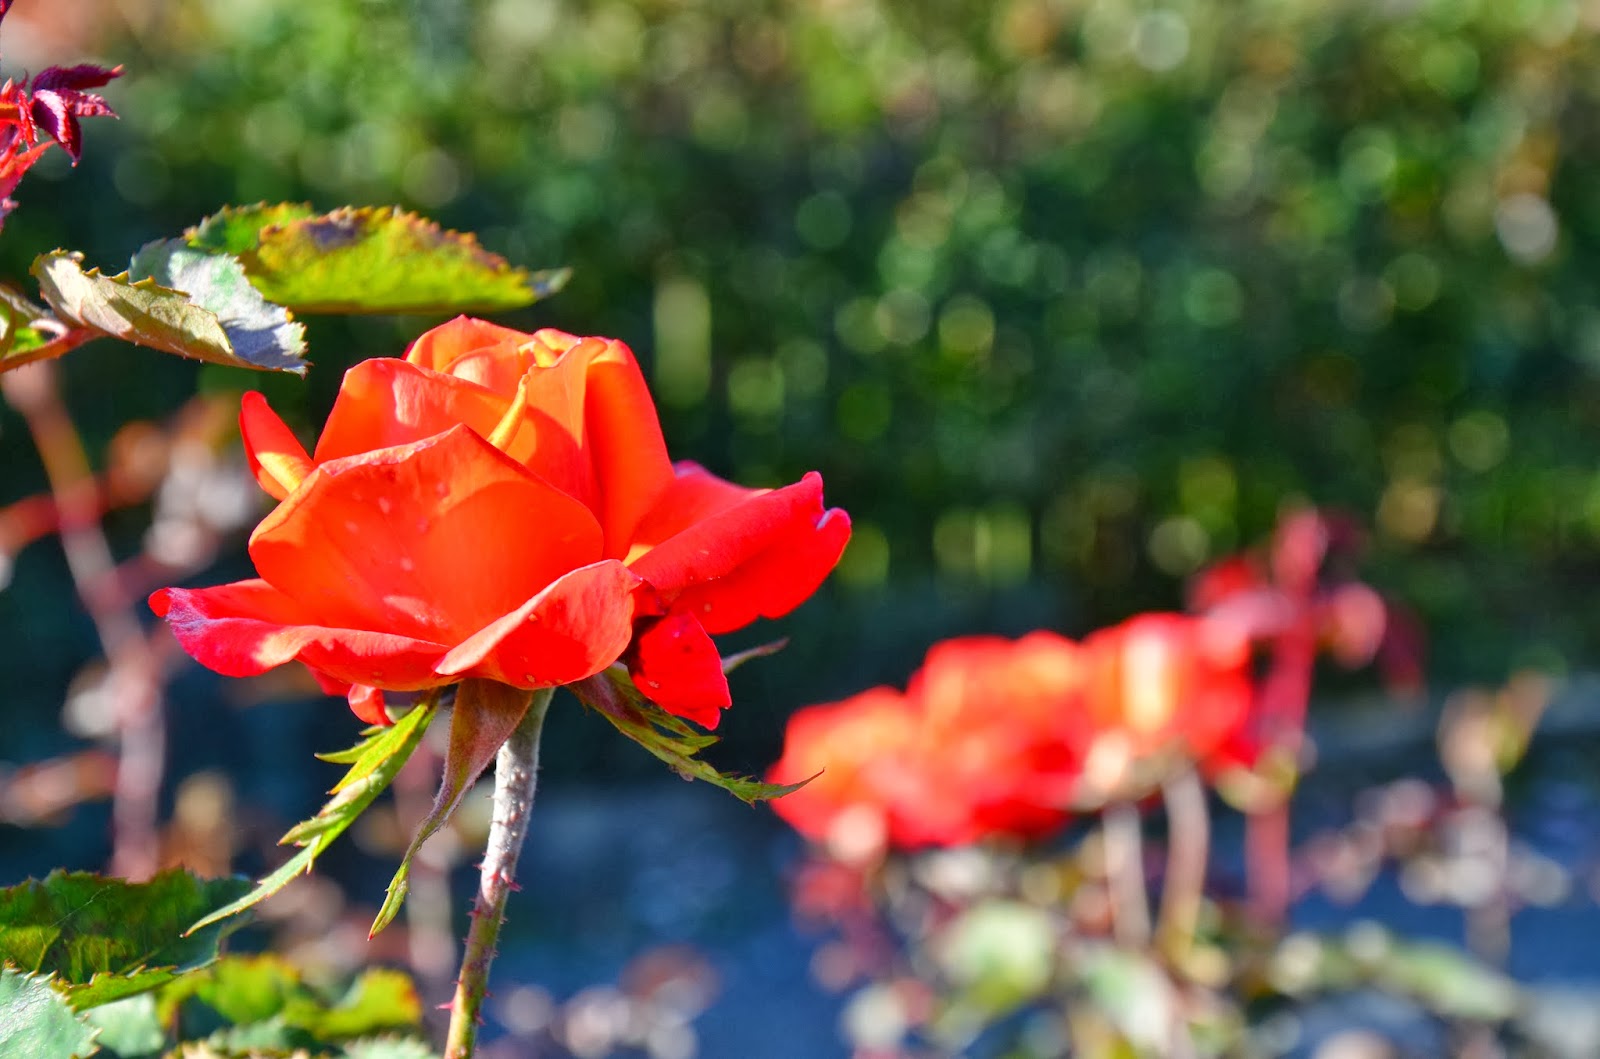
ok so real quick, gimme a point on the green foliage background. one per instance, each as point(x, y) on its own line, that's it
point(1063, 297)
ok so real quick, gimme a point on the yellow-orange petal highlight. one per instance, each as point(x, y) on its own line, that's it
point(276, 457)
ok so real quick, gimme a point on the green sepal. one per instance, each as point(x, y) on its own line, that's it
point(485, 714)
point(613, 695)
point(378, 759)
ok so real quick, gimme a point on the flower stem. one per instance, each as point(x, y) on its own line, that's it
point(1188, 843)
point(1124, 842)
point(515, 777)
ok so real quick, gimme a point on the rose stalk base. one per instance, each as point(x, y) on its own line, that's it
point(515, 778)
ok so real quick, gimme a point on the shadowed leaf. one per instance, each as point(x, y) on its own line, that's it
point(261, 333)
point(104, 939)
point(148, 314)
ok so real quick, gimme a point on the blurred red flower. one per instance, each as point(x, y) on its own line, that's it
point(996, 737)
point(500, 505)
point(1161, 692)
point(974, 748)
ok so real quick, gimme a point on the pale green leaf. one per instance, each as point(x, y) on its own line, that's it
point(37, 1023)
point(148, 314)
point(263, 334)
point(131, 1028)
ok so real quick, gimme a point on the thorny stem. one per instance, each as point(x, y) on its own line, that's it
point(1188, 844)
point(515, 778)
point(134, 676)
point(1286, 695)
point(1124, 840)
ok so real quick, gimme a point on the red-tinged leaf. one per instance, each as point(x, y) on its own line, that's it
point(75, 78)
point(485, 714)
point(58, 101)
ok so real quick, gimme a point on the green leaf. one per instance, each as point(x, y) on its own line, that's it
point(263, 334)
point(377, 760)
point(485, 714)
point(36, 1021)
point(235, 229)
point(1449, 982)
point(368, 260)
point(130, 1027)
point(1001, 953)
point(381, 1000)
point(20, 341)
point(147, 314)
point(613, 695)
point(261, 1002)
point(1133, 993)
point(105, 939)
point(389, 1048)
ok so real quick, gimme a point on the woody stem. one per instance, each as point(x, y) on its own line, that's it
point(515, 778)
point(1188, 842)
point(1124, 853)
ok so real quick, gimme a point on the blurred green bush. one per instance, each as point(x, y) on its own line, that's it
point(1063, 297)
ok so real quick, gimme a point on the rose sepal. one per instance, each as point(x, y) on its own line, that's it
point(612, 694)
point(374, 763)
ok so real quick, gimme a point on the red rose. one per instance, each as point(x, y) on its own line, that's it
point(1161, 690)
point(975, 747)
point(500, 505)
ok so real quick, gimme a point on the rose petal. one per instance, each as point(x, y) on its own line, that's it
point(573, 629)
point(385, 402)
point(444, 346)
point(276, 457)
point(694, 495)
point(432, 540)
point(675, 664)
point(248, 627)
point(366, 702)
point(759, 556)
point(625, 446)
